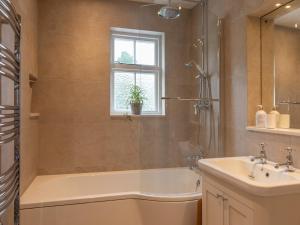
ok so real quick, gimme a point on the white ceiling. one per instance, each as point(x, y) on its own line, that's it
point(189, 4)
point(289, 19)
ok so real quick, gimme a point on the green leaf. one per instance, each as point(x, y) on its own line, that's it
point(136, 95)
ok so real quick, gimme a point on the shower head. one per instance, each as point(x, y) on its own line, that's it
point(189, 64)
point(169, 12)
point(192, 63)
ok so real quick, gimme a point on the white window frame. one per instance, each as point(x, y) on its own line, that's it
point(158, 69)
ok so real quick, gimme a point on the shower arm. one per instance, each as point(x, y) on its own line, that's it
point(289, 103)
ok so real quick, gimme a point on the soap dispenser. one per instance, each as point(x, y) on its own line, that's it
point(275, 112)
point(261, 117)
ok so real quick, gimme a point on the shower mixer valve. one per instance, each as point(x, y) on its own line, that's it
point(201, 105)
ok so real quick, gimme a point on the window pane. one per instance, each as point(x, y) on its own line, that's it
point(147, 82)
point(124, 51)
point(145, 53)
point(122, 83)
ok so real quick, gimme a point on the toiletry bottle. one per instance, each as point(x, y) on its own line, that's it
point(271, 121)
point(277, 115)
point(285, 121)
point(261, 117)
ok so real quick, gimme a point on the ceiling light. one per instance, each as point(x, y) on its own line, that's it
point(180, 7)
point(278, 4)
point(288, 6)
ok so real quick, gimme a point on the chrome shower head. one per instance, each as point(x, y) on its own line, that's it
point(169, 12)
point(193, 63)
point(189, 64)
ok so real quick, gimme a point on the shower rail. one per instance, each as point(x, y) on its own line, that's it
point(289, 103)
point(10, 113)
point(190, 99)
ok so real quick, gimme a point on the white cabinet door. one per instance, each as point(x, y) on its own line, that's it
point(236, 213)
point(212, 205)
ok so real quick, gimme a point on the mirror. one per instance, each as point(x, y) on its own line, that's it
point(280, 55)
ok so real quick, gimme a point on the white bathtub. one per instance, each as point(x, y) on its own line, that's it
point(140, 197)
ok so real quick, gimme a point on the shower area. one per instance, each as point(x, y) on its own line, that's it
point(95, 154)
point(191, 127)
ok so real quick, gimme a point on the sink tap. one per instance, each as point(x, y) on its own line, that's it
point(262, 155)
point(289, 161)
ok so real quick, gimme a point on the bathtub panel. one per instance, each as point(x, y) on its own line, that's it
point(173, 213)
point(125, 212)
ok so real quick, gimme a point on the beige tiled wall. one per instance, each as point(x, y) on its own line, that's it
point(29, 128)
point(77, 133)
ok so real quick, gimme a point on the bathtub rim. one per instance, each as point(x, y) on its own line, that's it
point(115, 197)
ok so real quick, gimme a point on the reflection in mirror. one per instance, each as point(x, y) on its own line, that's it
point(280, 61)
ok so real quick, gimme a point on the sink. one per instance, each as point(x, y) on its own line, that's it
point(254, 178)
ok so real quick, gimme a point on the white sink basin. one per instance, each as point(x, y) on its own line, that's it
point(257, 179)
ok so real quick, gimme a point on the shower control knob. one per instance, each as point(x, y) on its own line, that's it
point(196, 109)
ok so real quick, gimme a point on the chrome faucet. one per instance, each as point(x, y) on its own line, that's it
point(289, 161)
point(262, 157)
point(193, 161)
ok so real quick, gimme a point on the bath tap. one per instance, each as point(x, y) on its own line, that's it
point(289, 161)
point(193, 161)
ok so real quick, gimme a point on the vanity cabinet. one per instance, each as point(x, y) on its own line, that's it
point(220, 208)
point(225, 204)
point(236, 213)
point(230, 197)
point(212, 205)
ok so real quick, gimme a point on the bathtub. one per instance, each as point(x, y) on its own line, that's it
point(139, 197)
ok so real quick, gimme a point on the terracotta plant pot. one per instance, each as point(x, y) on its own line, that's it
point(136, 108)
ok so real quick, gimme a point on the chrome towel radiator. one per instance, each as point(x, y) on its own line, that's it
point(10, 34)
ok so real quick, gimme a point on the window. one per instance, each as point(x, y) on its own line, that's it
point(137, 58)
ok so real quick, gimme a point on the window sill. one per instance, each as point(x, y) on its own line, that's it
point(130, 116)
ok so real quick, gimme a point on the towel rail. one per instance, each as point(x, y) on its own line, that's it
point(10, 112)
point(10, 18)
point(9, 115)
point(6, 16)
point(10, 184)
point(9, 107)
point(11, 7)
point(9, 132)
point(9, 173)
point(9, 198)
point(8, 53)
point(9, 124)
point(11, 61)
point(9, 139)
point(11, 77)
point(9, 68)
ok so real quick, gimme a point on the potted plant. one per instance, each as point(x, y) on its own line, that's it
point(136, 99)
